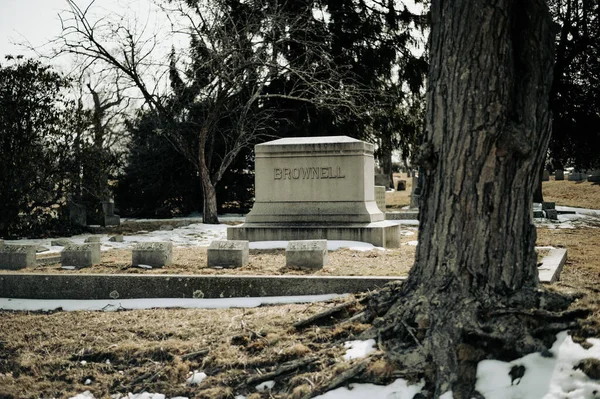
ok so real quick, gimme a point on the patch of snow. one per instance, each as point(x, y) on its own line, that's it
point(150, 303)
point(413, 243)
point(144, 266)
point(447, 395)
point(544, 377)
point(87, 382)
point(196, 378)
point(68, 267)
point(358, 349)
point(83, 362)
point(407, 233)
point(398, 389)
point(265, 386)
point(83, 395)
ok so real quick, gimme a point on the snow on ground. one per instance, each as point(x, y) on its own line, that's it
point(152, 303)
point(544, 377)
point(359, 349)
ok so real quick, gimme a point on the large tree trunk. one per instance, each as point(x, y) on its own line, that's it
point(487, 131)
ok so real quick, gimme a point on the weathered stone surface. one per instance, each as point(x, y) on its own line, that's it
point(380, 197)
point(577, 176)
point(546, 175)
point(92, 239)
point(559, 174)
point(166, 227)
point(314, 180)
point(228, 254)
point(1, 244)
point(309, 254)
point(552, 265)
point(116, 238)
point(548, 205)
point(155, 254)
point(80, 255)
point(381, 234)
point(61, 242)
point(14, 257)
point(410, 214)
point(315, 188)
point(125, 286)
point(551, 214)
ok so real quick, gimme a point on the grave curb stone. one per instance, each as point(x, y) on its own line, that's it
point(228, 254)
point(306, 254)
point(552, 265)
point(155, 254)
point(60, 242)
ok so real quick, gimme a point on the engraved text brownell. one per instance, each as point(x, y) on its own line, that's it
point(327, 172)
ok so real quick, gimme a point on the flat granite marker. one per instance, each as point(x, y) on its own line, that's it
point(155, 254)
point(15, 257)
point(316, 188)
point(228, 253)
point(307, 254)
point(80, 255)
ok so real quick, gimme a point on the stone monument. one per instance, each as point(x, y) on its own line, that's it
point(316, 188)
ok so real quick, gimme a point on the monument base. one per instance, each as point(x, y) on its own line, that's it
point(381, 234)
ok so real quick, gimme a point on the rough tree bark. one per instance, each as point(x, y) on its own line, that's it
point(473, 291)
point(209, 192)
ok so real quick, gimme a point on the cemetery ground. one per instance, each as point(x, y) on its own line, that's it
point(62, 354)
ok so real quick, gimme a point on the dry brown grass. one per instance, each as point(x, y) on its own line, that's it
point(570, 193)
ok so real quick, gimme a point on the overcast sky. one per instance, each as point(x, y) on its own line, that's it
point(37, 21)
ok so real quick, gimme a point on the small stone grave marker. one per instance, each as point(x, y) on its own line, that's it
point(310, 254)
point(155, 254)
point(546, 175)
point(559, 174)
point(231, 253)
point(93, 239)
point(61, 242)
point(80, 255)
point(14, 257)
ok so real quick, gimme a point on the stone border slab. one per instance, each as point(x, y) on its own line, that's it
point(129, 286)
point(552, 265)
point(402, 215)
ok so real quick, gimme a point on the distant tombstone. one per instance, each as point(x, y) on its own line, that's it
point(77, 214)
point(381, 180)
point(108, 214)
point(559, 174)
point(15, 257)
point(577, 176)
point(93, 239)
point(546, 175)
point(1, 244)
point(155, 254)
point(80, 255)
point(594, 176)
point(230, 254)
point(380, 197)
point(551, 214)
point(399, 184)
point(414, 196)
point(309, 254)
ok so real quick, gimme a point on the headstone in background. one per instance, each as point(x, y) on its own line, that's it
point(15, 257)
point(380, 197)
point(559, 174)
point(155, 254)
point(80, 255)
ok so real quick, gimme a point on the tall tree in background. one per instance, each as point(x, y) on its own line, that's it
point(575, 96)
point(473, 291)
point(35, 141)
